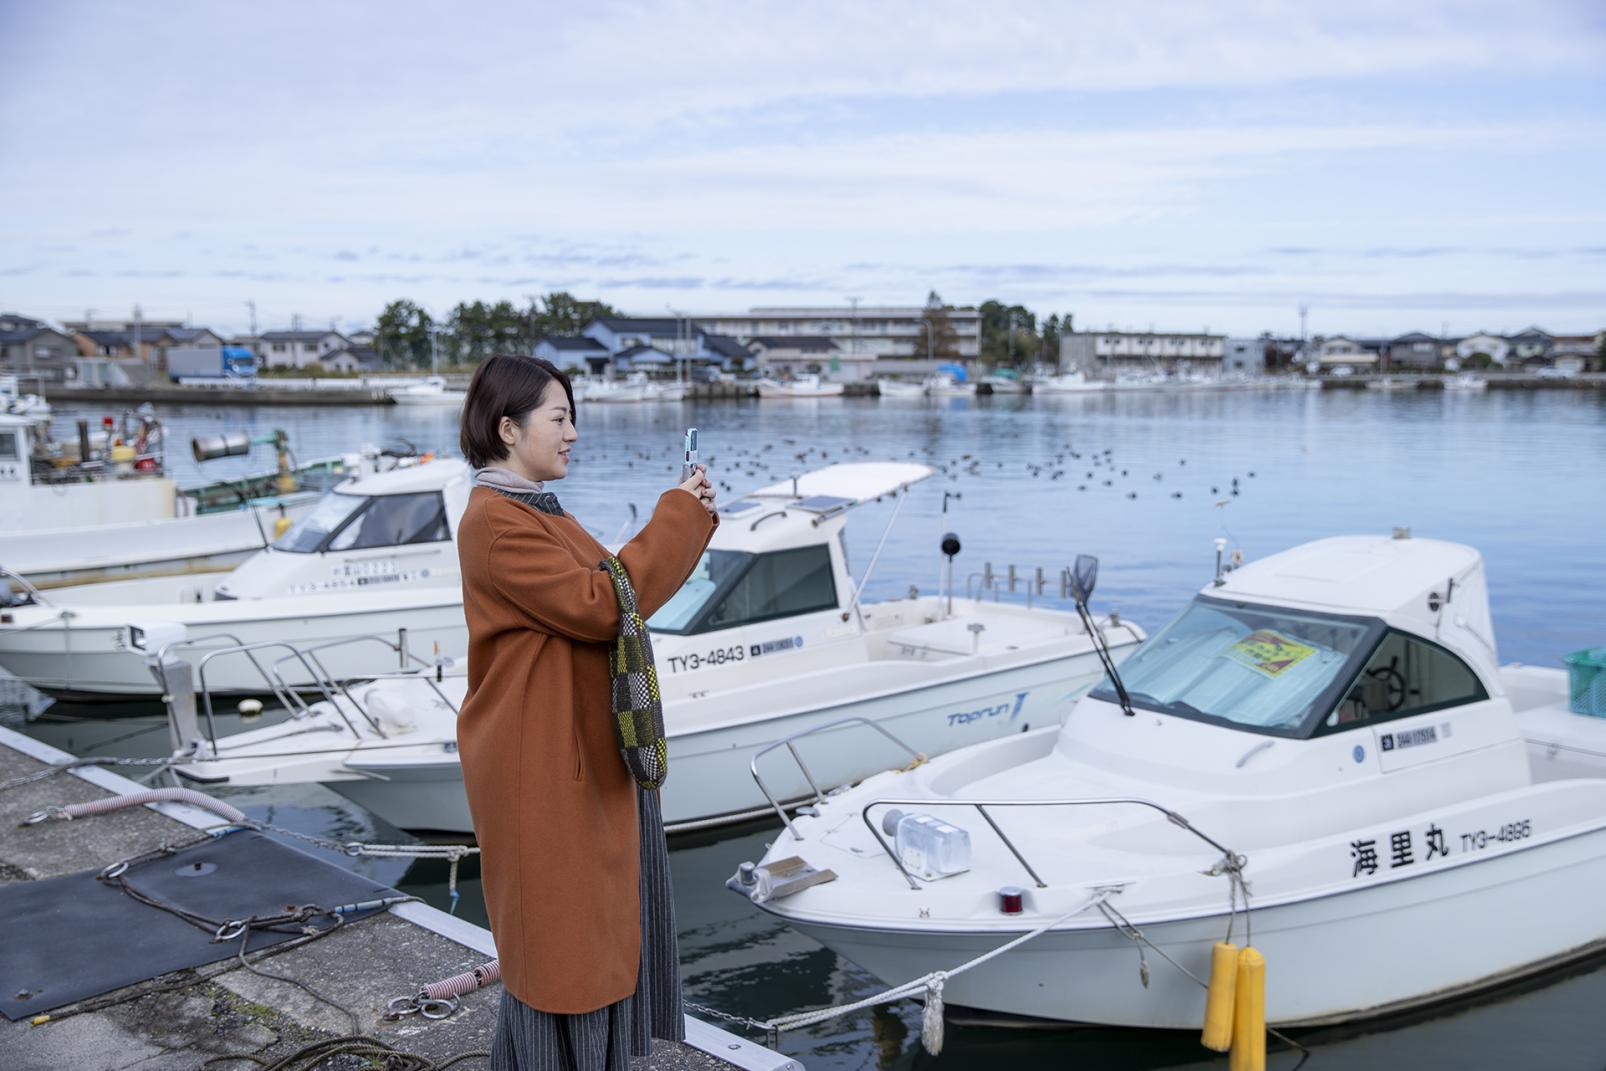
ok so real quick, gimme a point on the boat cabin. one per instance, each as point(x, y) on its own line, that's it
point(393, 528)
point(1366, 654)
point(776, 573)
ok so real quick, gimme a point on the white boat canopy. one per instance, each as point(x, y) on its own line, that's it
point(848, 484)
point(1426, 586)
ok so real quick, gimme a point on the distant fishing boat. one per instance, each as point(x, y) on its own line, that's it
point(809, 385)
point(431, 392)
point(100, 505)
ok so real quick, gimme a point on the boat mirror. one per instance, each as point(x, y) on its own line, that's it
point(1084, 574)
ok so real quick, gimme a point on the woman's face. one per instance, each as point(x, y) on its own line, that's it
point(538, 448)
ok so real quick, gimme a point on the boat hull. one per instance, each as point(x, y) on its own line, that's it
point(711, 782)
point(207, 543)
point(1353, 955)
point(90, 657)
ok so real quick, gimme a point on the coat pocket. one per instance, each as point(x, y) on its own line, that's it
point(579, 755)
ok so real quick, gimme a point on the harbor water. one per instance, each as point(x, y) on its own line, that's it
point(1145, 481)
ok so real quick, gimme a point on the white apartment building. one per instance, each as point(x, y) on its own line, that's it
point(1109, 352)
point(893, 335)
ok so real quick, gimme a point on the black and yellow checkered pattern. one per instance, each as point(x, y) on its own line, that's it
point(638, 709)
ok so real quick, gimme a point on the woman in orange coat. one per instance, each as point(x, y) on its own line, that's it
point(573, 860)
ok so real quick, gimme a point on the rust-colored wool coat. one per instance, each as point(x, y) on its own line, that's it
point(554, 806)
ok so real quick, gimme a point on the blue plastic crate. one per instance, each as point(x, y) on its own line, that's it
point(1586, 682)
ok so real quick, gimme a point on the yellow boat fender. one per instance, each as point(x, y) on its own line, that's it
point(1249, 1014)
point(281, 524)
point(1218, 1018)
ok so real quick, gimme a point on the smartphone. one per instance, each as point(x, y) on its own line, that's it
point(689, 459)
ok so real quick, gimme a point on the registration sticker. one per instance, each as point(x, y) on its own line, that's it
point(1268, 652)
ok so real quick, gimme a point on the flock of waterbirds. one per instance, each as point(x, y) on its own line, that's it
point(1085, 470)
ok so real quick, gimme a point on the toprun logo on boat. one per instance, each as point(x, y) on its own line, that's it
point(965, 717)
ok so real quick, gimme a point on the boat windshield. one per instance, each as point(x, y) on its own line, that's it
point(1266, 669)
point(310, 533)
point(359, 522)
point(730, 588)
point(713, 573)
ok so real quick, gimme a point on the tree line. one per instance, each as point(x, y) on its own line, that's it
point(405, 334)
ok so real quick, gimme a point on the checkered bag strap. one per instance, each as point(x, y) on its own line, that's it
point(638, 710)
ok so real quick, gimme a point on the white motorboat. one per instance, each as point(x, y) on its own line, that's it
point(667, 392)
point(1413, 820)
point(767, 639)
point(102, 506)
point(14, 401)
point(947, 385)
point(633, 388)
point(1068, 383)
point(374, 555)
point(1466, 381)
point(804, 386)
point(1006, 381)
point(432, 391)
point(898, 388)
point(1393, 383)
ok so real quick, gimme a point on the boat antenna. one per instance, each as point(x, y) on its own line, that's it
point(1082, 576)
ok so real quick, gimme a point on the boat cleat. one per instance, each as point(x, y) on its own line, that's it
point(761, 883)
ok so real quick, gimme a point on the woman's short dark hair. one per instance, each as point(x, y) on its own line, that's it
point(506, 385)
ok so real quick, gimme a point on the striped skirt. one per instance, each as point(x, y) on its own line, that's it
point(606, 1039)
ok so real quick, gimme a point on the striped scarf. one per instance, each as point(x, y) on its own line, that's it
point(638, 709)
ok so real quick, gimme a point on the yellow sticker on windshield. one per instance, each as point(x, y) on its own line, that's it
point(1268, 652)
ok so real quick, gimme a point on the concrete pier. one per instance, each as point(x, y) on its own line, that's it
point(178, 1021)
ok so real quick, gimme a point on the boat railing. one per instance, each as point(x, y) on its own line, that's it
point(327, 681)
point(317, 675)
point(26, 585)
point(977, 585)
point(791, 742)
point(1232, 859)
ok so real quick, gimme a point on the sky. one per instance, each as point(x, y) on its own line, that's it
point(1428, 166)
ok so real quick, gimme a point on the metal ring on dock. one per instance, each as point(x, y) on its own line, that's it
point(231, 929)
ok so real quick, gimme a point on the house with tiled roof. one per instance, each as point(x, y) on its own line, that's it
point(297, 349)
point(33, 349)
point(573, 351)
point(1414, 350)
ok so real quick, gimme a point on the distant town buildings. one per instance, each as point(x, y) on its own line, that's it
point(34, 348)
point(843, 343)
point(1110, 353)
point(298, 349)
point(870, 340)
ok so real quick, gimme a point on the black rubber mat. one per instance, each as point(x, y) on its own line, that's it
point(64, 939)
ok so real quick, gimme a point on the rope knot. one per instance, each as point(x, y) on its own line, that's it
point(931, 1022)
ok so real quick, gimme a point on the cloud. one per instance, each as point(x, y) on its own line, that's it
point(778, 283)
point(346, 254)
point(1420, 252)
point(1460, 300)
point(653, 282)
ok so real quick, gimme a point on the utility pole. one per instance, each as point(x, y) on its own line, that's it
point(256, 346)
point(853, 328)
point(138, 352)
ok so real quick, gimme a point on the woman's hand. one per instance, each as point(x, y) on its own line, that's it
point(699, 486)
